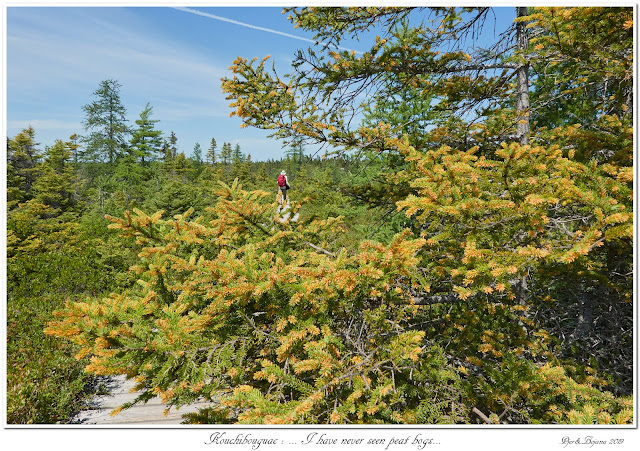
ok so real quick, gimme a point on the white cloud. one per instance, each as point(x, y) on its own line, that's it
point(255, 27)
point(104, 51)
point(56, 58)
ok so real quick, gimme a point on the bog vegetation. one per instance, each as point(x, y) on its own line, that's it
point(462, 253)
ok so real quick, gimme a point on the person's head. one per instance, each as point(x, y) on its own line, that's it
point(283, 173)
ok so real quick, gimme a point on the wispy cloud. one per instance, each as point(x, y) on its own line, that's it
point(44, 59)
point(255, 27)
point(56, 58)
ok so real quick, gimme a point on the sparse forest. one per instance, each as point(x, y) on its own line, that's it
point(462, 251)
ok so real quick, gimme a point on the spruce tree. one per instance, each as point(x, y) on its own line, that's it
point(74, 147)
point(105, 120)
point(254, 311)
point(211, 153)
point(170, 153)
point(225, 153)
point(54, 185)
point(197, 153)
point(295, 152)
point(146, 141)
point(485, 137)
point(196, 162)
point(237, 154)
point(22, 157)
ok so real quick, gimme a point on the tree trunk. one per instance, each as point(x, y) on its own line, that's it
point(628, 101)
point(584, 322)
point(522, 99)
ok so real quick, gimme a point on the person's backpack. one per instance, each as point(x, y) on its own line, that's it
point(282, 180)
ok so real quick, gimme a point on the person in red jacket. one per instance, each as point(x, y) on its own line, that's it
point(283, 184)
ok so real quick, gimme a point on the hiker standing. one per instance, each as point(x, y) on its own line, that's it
point(283, 183)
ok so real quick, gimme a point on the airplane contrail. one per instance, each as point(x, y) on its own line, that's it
point(242, 24)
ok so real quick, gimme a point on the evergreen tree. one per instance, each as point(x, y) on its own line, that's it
point(181, 166)
point(237, 154)
point(211, 154)
point(262, 175)
point(126, 182)
point(146, 141)
point(22, 157)
point(241, 169)
point(197, 153)
point(196, 161)
point(54, 184)
point(316, 335)
point(483, 139)
point(295, 152)
point(170, 152)
point(74, 147)
point(225, 153)
point(175, 197)
point(105, 120)
point(472, 85)
point(583, 105)
point(583, 93)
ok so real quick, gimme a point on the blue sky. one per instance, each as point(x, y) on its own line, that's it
point(168, 57)
point(56, 58)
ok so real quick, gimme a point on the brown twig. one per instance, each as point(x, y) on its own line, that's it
point(319, 249)
point(482, 415)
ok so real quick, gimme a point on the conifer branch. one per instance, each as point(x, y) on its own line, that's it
point(319, 249)
point(481, 415)
point(436, 299)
